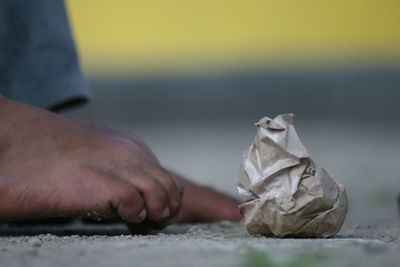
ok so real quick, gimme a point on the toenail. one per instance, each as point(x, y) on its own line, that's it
point(165, 213)
point(142, 215)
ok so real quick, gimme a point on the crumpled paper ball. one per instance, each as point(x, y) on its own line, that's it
point(285, 194)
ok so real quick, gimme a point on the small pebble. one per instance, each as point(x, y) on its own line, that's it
point(34, 242)
point(194, 229)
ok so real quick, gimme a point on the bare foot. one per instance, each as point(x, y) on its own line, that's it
point(54, 166)
point(199, 204)
point(203, 204)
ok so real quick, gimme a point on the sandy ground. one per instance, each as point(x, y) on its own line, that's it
point(361, 155)
point(215, 244)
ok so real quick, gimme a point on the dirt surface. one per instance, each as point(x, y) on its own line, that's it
point(214, 244)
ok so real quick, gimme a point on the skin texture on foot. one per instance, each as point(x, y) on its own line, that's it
point(52, 166)
point(203, 204)
point(199, 204)
point(55, 166)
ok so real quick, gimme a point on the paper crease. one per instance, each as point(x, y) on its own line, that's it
point(284, 192)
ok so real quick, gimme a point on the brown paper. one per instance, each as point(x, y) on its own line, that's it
point(284, 192)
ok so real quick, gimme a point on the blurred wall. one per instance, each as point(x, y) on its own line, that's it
point(223, 59)
point(141, 36)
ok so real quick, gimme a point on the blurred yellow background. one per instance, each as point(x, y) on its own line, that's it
point(127, 36)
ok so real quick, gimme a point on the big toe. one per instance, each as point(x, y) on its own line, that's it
point(203, 204)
